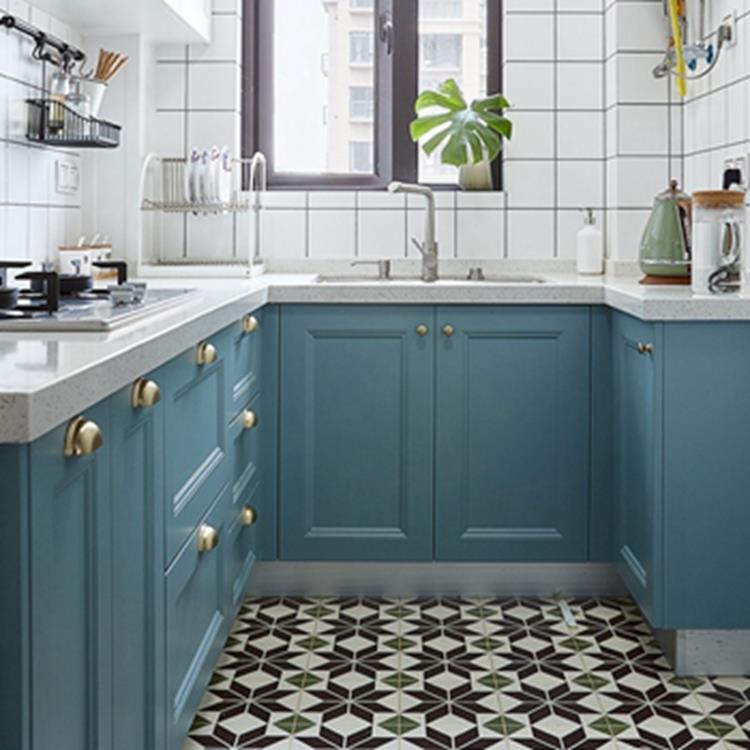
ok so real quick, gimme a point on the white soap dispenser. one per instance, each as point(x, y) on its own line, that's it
point(590, 246)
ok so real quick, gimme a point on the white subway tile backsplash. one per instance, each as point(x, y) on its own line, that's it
point(381, 233)
point(283, 233)
point(171, 86)
point(579, 37)
point(332, 233)
point(580, 135)
point(480, 234)
point(214, 86)
point(529, 37)
point(531, 235)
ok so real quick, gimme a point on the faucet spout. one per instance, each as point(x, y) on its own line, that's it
point(428, 248)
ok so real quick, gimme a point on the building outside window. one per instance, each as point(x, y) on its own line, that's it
point(361, 102)
point(434, 9)
point(360, 157)
point(361, 47)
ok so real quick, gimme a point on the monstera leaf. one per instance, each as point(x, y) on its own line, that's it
point(468, 133)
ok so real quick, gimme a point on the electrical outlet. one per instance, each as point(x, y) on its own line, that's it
point(740, 164)
point(67, 176)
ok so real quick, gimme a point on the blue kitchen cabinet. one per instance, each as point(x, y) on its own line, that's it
point(137, 538)
point(70, 606)
point(638, 357)
point(195, 445)
point(512, 434)
point(356, 476)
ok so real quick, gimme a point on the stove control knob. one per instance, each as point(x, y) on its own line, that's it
point(206, 353)
point(82, 438)
point(146, 393)
point(250, 324)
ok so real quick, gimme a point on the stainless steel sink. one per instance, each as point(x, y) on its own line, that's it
point(450, 279)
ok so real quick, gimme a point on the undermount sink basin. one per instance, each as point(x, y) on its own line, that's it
point(489, 279)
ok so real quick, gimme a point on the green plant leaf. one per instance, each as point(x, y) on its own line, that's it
point(468, 134)
point(423, 125)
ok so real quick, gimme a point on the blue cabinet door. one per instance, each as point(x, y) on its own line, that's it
point(357, 426)
point(71, 674)
point(137, 449)
point(637, 412)
point(512, 433)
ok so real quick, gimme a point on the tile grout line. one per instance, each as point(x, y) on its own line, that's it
point(301, 689)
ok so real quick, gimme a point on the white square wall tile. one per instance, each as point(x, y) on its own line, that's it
point(580, 184)
point(332, 234)
point(206, 129)
point(530, 85)
point(332, 199)
point(480, 199)
point(533, 136)
point(166, 137)
point(171, 86)
point(580, 37)
point(17, 232)
point(214, 86)
point(643, 130)
point(480, 234)
point(580, 85)
point(640, 26)
point(529, 37)
point(580, 135)
point(283, 234)
point(530, 184)
point(445, 229)
point(39, 244)
point(380, 199)
point(531, 235)
point(382, 234)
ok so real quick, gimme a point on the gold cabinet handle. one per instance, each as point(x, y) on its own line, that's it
point(207, 537)
point(448, 330)
point(146, 393)
point(248, 515)
point(82, 438)
point(422, 329)
point(249, 419)
point(250, 324)
point(645, 348)
point(206, 353)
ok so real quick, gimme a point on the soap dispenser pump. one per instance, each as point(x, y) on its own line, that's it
point(590, 246)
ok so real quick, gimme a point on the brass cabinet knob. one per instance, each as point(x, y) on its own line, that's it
point(448, 330)
point(82, 438)
point(206, 353)
point(208, 538)
point(146, 393)
point(250, 324)
point(249, 419)
point(645, 348)
point(422, 329)
point(248, 515)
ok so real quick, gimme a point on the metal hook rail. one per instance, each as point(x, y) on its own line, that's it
point(66, 55)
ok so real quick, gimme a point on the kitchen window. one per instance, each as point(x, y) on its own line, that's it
point(343, 119)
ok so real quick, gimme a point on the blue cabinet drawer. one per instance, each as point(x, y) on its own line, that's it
point(244, 361)
point(195, 619)
point(241, 546)
point(244, 434)
point(195, 440)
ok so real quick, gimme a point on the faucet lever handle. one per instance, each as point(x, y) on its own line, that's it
point(419, 245)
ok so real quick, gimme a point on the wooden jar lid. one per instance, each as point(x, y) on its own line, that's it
point(719, 198)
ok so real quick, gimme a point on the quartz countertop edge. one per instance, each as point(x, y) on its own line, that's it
point(48, 377)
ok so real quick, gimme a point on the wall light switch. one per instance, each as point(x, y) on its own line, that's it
point(67, 176)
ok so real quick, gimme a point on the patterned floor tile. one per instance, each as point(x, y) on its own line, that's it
point(458, 674)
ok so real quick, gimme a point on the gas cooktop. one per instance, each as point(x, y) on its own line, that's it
point(61, 302)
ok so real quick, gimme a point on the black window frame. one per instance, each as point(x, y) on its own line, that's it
point(396, 87)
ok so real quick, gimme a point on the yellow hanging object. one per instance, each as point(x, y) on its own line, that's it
point(681, 70)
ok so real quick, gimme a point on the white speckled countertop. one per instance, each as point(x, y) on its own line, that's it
point(46, 378)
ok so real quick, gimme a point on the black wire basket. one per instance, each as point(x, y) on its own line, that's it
point(56, 124)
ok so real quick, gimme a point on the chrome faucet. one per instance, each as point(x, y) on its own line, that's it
point(428, 248)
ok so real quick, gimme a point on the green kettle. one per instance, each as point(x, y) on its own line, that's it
point(665, 245)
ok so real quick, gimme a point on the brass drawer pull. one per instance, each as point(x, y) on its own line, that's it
point(206, 353)
point(249, 419)
point(207, 537)
point(448, 330)
point(146, 393)
point(645, 348)
point(250, 324)
point(82, 438)
point(248, 515)
point(422, 329)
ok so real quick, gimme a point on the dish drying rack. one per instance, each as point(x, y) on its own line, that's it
point(163, 200)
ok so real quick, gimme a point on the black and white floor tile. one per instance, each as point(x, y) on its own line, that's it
point(458, 674)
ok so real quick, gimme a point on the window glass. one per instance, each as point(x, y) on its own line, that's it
point(452, 44)
point(329, 102)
